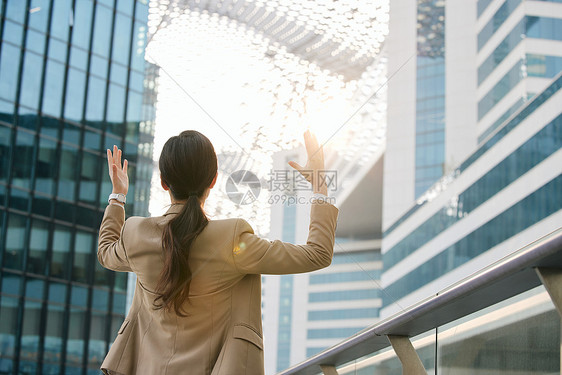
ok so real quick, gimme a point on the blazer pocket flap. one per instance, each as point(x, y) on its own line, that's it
point(246, 333)
point(123, 326)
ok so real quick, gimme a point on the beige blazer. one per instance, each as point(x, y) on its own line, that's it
point(223, 332)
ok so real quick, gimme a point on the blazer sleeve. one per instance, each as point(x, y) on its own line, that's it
point(255, 255)
point(111, 247)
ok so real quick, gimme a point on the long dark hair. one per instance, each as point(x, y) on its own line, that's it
point(188, 166)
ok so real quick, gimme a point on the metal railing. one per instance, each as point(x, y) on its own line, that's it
point(538, 262)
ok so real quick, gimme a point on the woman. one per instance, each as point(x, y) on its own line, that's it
point(197, 302)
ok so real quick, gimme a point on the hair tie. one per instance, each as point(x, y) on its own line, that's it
point(192, 193)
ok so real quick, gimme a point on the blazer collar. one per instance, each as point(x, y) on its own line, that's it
point(174, 209)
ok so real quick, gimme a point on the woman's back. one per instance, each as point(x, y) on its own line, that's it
point(197, 302)
point(222, 332)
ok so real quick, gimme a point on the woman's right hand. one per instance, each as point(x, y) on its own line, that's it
point(313, 171)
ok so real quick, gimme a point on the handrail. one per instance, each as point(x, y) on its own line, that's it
point(509, 276)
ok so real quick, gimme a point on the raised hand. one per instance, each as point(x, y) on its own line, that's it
point(117, 173)
point(314, 168)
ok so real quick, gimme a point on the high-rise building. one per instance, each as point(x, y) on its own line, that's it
point(492, 128)
point(73, 82)
point(304, 314)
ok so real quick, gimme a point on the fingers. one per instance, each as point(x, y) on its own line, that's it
point(295, 165)
point(311, 143)
point(125, 165)
point(114, 158)
point(109, 160)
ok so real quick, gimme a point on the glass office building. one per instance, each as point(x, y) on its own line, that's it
point(73, 82)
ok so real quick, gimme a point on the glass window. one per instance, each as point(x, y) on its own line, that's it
point(122, 39)
point(2, 201)
point(482, 5)
point(35, 41)
point(39, 14)
point(11, 283)
point(5, 145)
point(50, 127)
point(361, 313)
point(332, 333)
point(101, 275)
point(339, 277)
point(30, 330)
point(8, 325)
point(134, 107)
point(82, 25)
point(344, 295)
point(9, 67)
point(27, 118)
point(24, 151)
point(99, 66)
point(61, 249)
point(67, 172)
point(496, 21)
point(119, 302)
point(118, 74)
point(78, 58)
point(89, 177)
point(125, 6)
point(31, 80)
point(107, 3)
point(82, 255)
point(65, 211)
point(61, 18)
point(116, 104)
point(141, 10)
point(15, 241)
point(54, 83)
point(102, 31)
point(75, 89)
point(100, 299)
point(46, 166)
point(6, 111)
point(71, 133)
point(137, 81)
point(13, 32)
point(139, 40)
point(15, 10)
point(121, 281)
point(96, 101)
point(76, 334)
point(42, 205)
point(57, 50)
point(53, 333)
point(38, 242)
point(79, 296)
point(19, 199)
point(544, 28)
point(97, 342)
point(356, 257)
point(92, 140)
point(34, 288)
point(508, 223)
point(57, 292)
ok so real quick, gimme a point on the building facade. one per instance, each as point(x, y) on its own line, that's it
point(435, 237)
point(304, 314)
point(501, 184)
point(73, 82)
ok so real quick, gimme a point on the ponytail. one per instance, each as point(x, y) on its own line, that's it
point(177, 238)
point(188, 167)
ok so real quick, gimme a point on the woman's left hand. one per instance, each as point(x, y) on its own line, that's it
point(117, 174)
